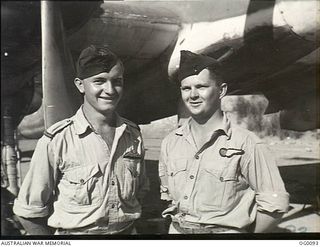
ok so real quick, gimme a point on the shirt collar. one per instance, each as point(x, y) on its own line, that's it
point(184, 129)
point(82, 124)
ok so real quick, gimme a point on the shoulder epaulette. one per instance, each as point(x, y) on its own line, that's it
point(57, 127)
point(132, 124)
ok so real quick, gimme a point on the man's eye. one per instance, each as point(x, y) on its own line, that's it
point(117, 81)
point(98, 82)
point(185, 88)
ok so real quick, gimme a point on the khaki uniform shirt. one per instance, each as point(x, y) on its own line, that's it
point(224, 183)
point(76, 180)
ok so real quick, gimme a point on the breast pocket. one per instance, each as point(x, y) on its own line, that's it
point(130, 180)
point(221, 183)
point(177, 173)
point(81, 185)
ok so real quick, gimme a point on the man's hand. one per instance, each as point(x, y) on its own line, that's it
point(36, 226)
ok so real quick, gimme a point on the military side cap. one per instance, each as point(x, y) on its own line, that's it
point(193, 64)
point(95, 60)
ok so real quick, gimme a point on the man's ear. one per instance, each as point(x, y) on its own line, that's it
point(223, 90)
point(79, 84)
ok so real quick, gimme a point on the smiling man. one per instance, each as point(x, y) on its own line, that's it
point(87, 174)
point(219, 177)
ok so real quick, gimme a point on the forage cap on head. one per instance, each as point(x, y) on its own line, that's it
point(94, 60)
point(192, 64)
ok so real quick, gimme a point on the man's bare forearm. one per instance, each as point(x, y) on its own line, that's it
point(36, 226)
point(266, 221)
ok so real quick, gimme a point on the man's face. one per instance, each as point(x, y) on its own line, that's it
point(103, 91)
point(201, 95)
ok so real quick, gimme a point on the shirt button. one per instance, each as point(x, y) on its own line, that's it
point(113, 183)
point(221, 179)
point(191, 177)
point(171, 174)
point(196, 156)
point(185, 197)
point(81, 181)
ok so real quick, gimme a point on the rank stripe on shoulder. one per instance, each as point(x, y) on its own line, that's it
point(47, 134)
point(56, 128)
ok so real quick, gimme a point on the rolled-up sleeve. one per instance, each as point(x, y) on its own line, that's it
point(37, 188)
point(264, 178)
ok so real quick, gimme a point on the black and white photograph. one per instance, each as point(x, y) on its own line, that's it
point(159, 120)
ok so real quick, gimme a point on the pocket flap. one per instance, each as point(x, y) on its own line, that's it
point(213, 172)
point(178, 166)
point(228, 176)
point(231, 178)
point(81, 175)
point(221, 175)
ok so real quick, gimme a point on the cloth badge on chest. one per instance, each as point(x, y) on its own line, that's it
point(229, 152)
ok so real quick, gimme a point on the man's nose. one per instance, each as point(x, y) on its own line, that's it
point(108, 87)
point(194, 93)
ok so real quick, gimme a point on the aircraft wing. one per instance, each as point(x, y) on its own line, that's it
point(265, 46)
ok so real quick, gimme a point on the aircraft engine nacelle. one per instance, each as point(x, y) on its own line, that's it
point(258, 37)
point(302, 17)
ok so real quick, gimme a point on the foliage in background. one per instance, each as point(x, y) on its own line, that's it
point(246, 111)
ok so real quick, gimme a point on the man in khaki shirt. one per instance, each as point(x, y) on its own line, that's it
point(220, 178)
point(87, 174)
